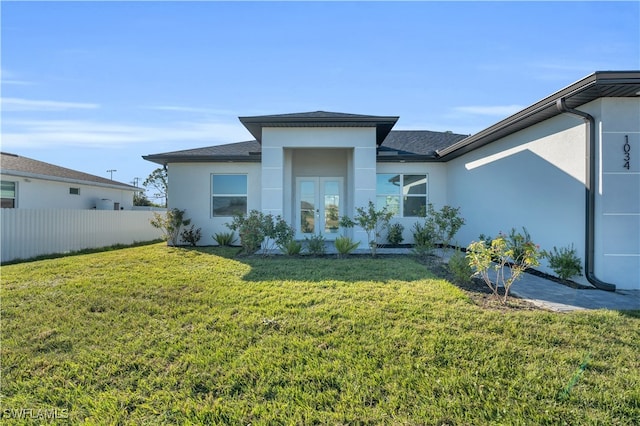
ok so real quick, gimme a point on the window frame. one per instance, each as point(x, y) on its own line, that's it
point(228, 195)
point(72, 188)
point(400, 195)
point(15, 194)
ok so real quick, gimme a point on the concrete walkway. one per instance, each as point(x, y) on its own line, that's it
point(550, 295)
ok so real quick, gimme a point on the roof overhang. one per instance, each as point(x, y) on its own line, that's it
point(27, 175)
point(383, 124)
point(597, 85)
point(163, 159)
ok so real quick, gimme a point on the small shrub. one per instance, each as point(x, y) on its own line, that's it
point(261, 231)
point(224, 238)
point(394, 235)
point(460, 268)
point(292, 248)
point(170, 224)
point(315, 245)
point(423, 239)
point(191, 235)
point(518, 243)
point(564, 262)
point(345, 245)
point(498, 255)
point(250, 229)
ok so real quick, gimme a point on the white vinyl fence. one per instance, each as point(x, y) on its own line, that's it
point(29, 233)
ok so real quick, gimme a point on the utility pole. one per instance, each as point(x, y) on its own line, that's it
point(135, 181)
point(111, 171)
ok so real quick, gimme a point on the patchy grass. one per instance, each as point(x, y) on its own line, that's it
point(158, 335)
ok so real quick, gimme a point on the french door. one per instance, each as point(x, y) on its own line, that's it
point(318, 206)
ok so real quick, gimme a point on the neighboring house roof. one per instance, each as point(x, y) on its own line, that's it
point(383, 124)
point(597, 85)
point(400, 145)
point(16, 165)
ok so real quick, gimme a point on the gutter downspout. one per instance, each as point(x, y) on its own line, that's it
point(590, 195)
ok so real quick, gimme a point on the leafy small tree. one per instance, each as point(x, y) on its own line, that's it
point(158, 181)
point(447, 222)
point(372, 221)
point(170, 223)
point(500, 254)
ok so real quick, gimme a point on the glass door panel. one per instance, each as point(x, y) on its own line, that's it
point(307, 206)
point(331, 207)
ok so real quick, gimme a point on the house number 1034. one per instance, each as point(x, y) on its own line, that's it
point(627, 152)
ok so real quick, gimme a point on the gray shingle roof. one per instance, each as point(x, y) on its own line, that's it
point(399, 145)
point(383, 124)
point(12, 164)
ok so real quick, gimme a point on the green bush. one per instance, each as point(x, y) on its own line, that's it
point(291, 248)
point(460, 268)
point(424, 239)
point(251, 230)
point(564, 262)
point(261, 231)
point(345, 245)
point(224, 238)
point(191, 235)
point(315, 245)
point(394, 234)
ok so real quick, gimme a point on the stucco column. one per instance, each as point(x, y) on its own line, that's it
point(364, 185)
point(272, 180)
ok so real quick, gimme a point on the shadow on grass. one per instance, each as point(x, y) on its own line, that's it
point(353, 268)
point(81, 252)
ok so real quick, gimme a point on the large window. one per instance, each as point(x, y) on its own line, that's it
point(405, 195)
point(8, 195)
point(229, 193)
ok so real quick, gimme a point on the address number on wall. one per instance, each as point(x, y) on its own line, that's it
point(626, 148)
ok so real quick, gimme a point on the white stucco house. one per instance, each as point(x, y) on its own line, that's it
point(33, 184)
point(567, 168)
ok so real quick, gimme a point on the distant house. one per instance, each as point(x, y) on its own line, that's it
point(569, 175)
point(33, 184)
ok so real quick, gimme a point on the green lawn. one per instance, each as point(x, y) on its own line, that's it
point(157, 335)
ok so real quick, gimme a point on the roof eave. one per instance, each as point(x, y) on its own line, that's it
point(542, 110)
point(383, 124)
point(164, 160)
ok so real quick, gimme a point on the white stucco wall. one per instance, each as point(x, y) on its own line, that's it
point(436, 189)
point(190, 190)
point(34, 193)
point(537, 178)
point(533, 178)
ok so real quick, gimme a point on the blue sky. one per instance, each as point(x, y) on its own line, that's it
point(94, 86)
